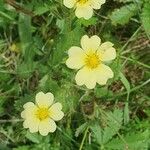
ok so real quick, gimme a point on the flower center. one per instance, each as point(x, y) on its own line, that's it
point(92, 60)
point(42, 113)
point(81, 2)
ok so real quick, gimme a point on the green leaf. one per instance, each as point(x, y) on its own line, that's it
point(34, 137)
point(63, 43)
point(96, 129)
point(127, 86)
point(125, 82)
point(69, 99)
point(48, 84)
point(114, 122)
point(102, 92)
point(86, 23)
point(39, 10)
point(25, 33)
point(24, 70)
point(134, 141)
point(145, 17)
point(122, 16)
point(81, 129)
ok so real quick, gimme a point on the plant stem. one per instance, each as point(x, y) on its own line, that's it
point(11, 120)
point(133, 89)
point(138, 62)
point(84, 137)
point(131, 38)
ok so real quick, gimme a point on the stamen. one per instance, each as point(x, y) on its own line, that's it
point(42, 113)
point(92, 60)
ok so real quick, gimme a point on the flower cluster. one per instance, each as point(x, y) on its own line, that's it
point(91, 62)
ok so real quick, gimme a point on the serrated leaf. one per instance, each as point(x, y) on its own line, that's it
point(114, 122)
point(96, 129)
point(70, 99)
point(102, 92)
point(81, 129)
point(24, 70)
point(122, 16)
point(134, 141)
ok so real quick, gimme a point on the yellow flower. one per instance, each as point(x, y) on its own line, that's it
point(90, 60)
point(41, 116)
point(14, 48)
point(84, 8)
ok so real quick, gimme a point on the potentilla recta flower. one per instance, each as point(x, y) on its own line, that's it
point(84, 8)
point(42, 115)
point(90, 61)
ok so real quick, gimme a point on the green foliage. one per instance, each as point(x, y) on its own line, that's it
point(63, 44)
point(68, 99)
point(145, 17)
point(97, 131)
point(127, 86)
point(35, 37)
point(7, 15)
point(132, 141)
point(114, 122)
point(25, 33)
point(123, 15)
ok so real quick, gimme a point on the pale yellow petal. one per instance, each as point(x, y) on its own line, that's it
point(85, 12)
point(106, 52)
point(28, 105)
point(109, 54)
point(31, 121)
point(76, 58)
point(91, 83)
point(23, 114)
point(76, 51)
point(96, 4)
point(44, 100)
point(86, 77)
point(81, 76)
point(105, 46)
point(90, 44)
point(74, 62)
point(29, 111)
point(47, 126)
point(69, 3)
point(103, 73)
point(32, 124)
point(55, 112)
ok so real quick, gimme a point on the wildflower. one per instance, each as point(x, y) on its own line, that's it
point(42, 115)
point(90, 60)
point(14, 48)
point(84, 8)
